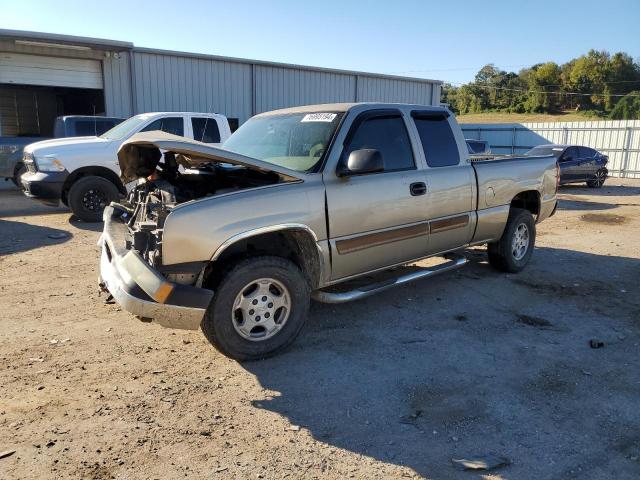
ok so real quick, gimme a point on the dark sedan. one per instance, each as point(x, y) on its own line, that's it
point(577, 163)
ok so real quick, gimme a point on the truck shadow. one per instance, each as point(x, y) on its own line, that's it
point(20, 237)
point(572, 204)
point(606, 191)
point(90, 227)
point(13, 203)
point(455, 366)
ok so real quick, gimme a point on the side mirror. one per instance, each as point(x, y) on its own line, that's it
point(366, 160)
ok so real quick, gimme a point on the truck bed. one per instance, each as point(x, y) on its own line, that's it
point(500, 179)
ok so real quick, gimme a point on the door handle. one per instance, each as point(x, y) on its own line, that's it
point(418, 188)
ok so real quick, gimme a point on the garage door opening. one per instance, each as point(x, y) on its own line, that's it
point(30, 111)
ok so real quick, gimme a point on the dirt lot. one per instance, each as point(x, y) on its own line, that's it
point(469, 363)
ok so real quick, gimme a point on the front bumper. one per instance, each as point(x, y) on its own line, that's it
point(46, 187)
point(140, 289)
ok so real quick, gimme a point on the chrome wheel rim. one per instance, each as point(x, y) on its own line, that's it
point(520, 242)
point(261, 309)
point(600, 177)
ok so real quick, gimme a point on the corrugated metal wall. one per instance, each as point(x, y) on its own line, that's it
point(178, 83)
point(619, 139)
point(287, 87)
point(173, 82)
point(372, 89)
point(117, 85)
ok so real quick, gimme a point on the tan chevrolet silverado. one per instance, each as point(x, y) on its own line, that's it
point(237, 240)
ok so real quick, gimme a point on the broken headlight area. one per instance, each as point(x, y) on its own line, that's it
point(153, 198)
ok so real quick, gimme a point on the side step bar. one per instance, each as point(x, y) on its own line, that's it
point(456, 261)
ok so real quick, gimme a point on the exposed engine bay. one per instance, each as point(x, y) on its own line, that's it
point(165, 181)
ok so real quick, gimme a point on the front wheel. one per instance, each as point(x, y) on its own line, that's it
point(598, 180)
point(17, 173)
point(258, 308)
point(88, 197)
point(514, 249)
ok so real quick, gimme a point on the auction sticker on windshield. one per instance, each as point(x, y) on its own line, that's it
point(318, 117)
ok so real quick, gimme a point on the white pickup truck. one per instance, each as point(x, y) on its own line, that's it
point(83, 172)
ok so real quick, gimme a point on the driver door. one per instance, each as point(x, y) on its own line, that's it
point(569, 165)
point(377, 219)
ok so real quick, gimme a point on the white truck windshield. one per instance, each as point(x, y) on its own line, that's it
point(125, 128)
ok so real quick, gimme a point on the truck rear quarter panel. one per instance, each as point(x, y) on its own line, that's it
point(499, 181)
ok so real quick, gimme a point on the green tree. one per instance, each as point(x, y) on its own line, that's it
point(589, 75)
point(448, 96)
point(627, 108)
point(592, 81)
point(543, 82)
point(624, 77)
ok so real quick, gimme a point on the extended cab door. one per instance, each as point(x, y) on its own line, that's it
point(451, 183)
point(376, 219)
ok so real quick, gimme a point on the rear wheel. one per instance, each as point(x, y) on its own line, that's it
point(514, 249)
point(258, 309)
point(89, 195)
point(598, 180)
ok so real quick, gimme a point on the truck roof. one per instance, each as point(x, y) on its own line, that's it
point(344, 107)
point(160, 114)
point(88, 117)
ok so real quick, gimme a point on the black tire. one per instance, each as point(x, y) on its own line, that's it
point(221, 323)
point(598, 180)
point(17, 173)
point(88, 196)
point(502, 254)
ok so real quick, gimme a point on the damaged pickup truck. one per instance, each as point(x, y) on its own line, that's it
point(236, 241)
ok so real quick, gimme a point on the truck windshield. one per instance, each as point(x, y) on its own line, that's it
point(125, 128)
point(297, 141)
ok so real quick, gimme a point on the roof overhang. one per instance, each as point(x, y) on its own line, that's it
point(54, 40)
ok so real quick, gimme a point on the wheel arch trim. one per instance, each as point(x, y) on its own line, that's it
point(92, 170)
point(272, 229)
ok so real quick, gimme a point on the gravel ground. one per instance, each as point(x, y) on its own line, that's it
point(468, 363)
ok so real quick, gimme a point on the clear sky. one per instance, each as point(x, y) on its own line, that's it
point(445, 40)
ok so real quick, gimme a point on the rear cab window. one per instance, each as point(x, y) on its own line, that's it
point(205, 129)
point(386, 133)
point(439, 144)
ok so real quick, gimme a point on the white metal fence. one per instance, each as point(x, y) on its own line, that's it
point(619, 139)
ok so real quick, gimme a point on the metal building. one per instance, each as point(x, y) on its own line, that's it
point(44, 75)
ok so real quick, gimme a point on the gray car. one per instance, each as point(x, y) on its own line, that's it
point(577, 163)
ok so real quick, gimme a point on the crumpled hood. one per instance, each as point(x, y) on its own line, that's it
point(44, 145)
point(140, 154)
